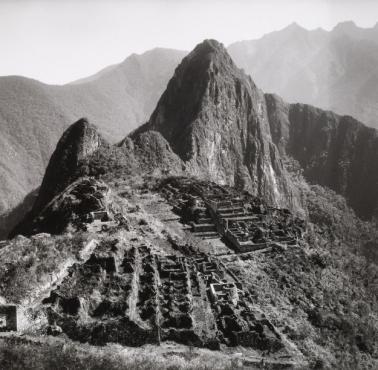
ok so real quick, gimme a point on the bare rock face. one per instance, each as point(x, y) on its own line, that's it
point(79, 141)
point(335, 151)
point(215, 119)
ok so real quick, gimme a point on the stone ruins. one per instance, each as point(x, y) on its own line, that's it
point(244, 221)
point(138, 294)
point(8, 318)
point(147, 298)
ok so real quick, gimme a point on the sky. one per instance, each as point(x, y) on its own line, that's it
point(58, 41)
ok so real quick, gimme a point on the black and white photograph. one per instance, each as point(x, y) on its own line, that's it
point(188, 184)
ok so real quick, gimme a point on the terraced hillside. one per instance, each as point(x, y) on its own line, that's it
point(155, 266)
point(151, 278)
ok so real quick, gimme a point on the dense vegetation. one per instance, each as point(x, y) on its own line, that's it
point(28, 264)
point(323, 293)
point(107, 162)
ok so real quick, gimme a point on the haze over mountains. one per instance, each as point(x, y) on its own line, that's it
point(334, 70)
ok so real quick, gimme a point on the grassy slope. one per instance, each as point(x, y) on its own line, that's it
point(31, 124)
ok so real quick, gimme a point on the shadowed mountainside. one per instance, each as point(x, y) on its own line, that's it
point(334, 151)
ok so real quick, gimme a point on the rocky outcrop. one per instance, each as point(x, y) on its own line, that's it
point(335, 151)
point(215, 119)
point(73, 207)
point(79, 141)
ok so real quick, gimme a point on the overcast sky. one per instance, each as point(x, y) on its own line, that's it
point(59, 41)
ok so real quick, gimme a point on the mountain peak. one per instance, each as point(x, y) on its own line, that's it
point(345, 27)
point(213, 117)
point(81, 130)
point(80, 140)
point(198, 80)
point(81, 124)
point(207, 54)
point(210, 45)
point(294, 27)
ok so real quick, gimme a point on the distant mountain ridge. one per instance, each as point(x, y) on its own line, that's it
point(335, 70)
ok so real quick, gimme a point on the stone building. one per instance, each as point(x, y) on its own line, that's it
point(8, 318)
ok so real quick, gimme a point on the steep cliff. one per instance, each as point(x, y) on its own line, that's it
point(335, 151)
point(215, 119)
point(78, 142)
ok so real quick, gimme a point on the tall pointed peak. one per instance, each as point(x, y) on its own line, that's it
point(81, 123)
point(213, 118)
point(206, 55)
point(80, 140)
point(80, 128)
point(209, 46)
point(196, 87)
point(294, 26)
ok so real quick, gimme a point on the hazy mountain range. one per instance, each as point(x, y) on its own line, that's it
point(333, 70)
